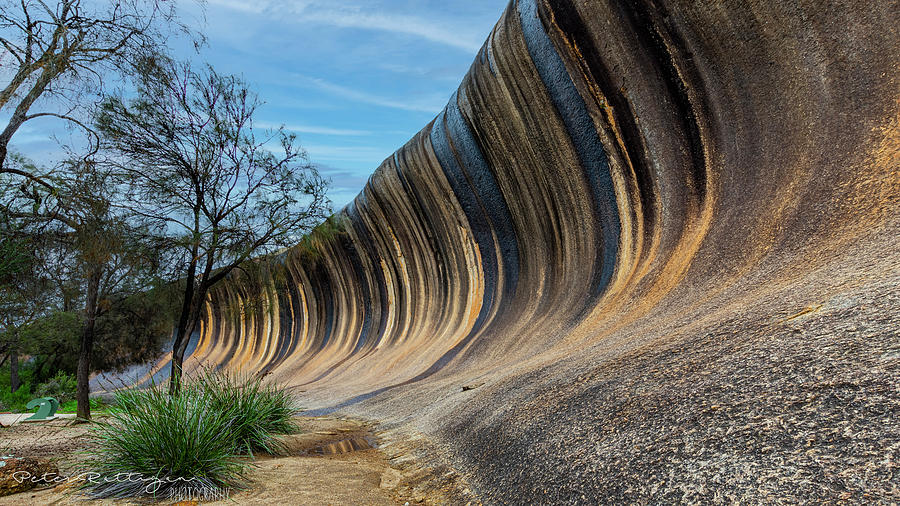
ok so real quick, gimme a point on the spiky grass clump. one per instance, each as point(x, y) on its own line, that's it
point(260, 411)
point(190, 440)
point(155, 442)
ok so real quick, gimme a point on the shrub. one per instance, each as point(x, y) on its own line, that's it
point(190, 440)
point(166, 442)
point(62, 386)
point(16, 402)
point(260, 411)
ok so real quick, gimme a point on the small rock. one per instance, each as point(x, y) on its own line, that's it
point(891, 355)
point(18, 474)
point(390, 479)
point(69, 483)
point(473, 386)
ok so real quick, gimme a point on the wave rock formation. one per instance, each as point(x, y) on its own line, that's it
point(656, 242)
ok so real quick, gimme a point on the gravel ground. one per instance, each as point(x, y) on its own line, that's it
point(799, 410)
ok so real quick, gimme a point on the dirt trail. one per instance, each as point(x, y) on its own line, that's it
point(332, 461)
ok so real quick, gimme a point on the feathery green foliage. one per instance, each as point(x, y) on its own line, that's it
point(191, 439)
point(166, 442)
point(61, 386)
point(260, 410)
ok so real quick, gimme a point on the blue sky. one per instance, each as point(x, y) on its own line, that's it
point(354, 79)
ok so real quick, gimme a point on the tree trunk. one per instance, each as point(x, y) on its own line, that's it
point(14, 123)
point(14, 370)
point(82, 394)
point(20, 114)
point(178, 350)
point(182, 337)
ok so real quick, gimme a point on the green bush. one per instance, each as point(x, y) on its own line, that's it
point(16, 402)
point(191, 440)
point(53, 344)
point(261, 411)
point(162, 442)
point(62, 386)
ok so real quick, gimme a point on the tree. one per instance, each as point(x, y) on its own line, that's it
point(83, 248)
point(25, 290)
point(46, 265)
point(56, 56)
point(60, 51)
point(116, 255)
point(199, 169)
point(20, 293)
point(13, 255)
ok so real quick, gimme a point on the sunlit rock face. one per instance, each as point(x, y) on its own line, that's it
point(663, 235)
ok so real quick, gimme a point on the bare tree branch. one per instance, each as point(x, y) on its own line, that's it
point(67, 42)
point(188, 149)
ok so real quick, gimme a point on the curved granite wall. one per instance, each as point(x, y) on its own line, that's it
point(629, 215)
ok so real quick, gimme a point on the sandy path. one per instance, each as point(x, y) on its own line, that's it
point(328, 464)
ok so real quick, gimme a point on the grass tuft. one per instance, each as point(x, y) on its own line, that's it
point(260, 411)
point(191, 440)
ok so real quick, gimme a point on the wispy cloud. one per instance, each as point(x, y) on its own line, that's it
point(343, 179)
point(431, 105)
point(344, 15)
point(448, 73)
point(240, 5)
point(309, 129)
point(370, 154)
point(397, 23)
